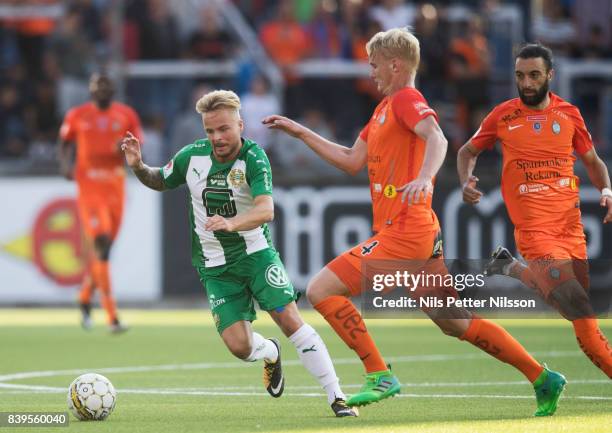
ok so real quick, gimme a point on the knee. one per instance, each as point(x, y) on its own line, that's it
point(240, 349)
point(314, 293)
point(102, 246)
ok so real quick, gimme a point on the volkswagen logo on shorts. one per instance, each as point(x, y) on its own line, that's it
point(276, 276)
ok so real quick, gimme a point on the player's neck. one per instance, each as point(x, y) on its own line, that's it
point(401, 85)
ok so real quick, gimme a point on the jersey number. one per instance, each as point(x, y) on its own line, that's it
point(219, 201)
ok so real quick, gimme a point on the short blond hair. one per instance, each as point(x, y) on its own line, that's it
point(217, 100)
point(398, 42)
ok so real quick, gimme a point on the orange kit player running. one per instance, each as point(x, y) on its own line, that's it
point(539, 134)
point(403, 148)
point(95, 130)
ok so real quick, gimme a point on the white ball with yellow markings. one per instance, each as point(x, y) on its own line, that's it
point(91, 397)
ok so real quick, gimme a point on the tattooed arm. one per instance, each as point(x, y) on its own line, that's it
point(149, 176)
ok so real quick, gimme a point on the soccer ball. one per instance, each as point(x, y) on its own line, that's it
point(91, 396)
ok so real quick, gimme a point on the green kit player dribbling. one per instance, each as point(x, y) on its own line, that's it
point(230, 185)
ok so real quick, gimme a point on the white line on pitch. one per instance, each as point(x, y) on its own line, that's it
point(49, 389)
point(223, 365)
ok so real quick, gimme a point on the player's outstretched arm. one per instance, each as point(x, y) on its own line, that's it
point(149, 176)
point(350, 160)
point(598, 173)
point(466, 162)
point(261, 213)
point(435, 152)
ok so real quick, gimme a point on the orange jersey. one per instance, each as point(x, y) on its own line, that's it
point(98, 134)
point(538, 181)
point(395, 157)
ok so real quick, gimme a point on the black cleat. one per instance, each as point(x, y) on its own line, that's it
point(86, 322)
point(341, 409)
point(498, 265)
point(273, 378)
point(117, 327)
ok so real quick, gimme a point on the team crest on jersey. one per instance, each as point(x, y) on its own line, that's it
point(168, 169)
point(382, 118)
point(556, 128)
point(276, 276)
point(390, 191)
point(537, 127)
point(236, 178)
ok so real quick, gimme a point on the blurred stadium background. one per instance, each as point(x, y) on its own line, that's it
point(303, 58)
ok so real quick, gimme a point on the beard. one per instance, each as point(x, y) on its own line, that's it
point(537, 97)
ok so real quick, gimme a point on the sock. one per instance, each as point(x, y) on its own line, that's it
point(348, 324)
point(497, 342)
point(262, 349)
point(87, 288)
point(314, 356)
point(101, 274)
point(594, 343)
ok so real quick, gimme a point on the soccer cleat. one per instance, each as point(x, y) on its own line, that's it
point(378, 386)
point(499, 263)
point(274, 381)
point(548, 388)
point(86, 322)
point(341, 409)
point(117, 327)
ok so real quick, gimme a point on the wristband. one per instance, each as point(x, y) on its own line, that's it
point(606, 192)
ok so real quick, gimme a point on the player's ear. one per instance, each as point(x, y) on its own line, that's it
point(551, 74)
point(241, 124)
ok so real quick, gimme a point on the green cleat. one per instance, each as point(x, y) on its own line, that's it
point(378, 386)
point(548, 388)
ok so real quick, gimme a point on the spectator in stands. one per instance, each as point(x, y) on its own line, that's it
point(434, 52)
point(158, 32)
point(13, 135)
point(554, 27)
point(469, 68)
point(329, 38)
point(258, 103)
point(393, 13)
point(42, 118)
point(287, 43)
point(31, 36)
point(595, 46)
point(187, 127)
point(210, 41)
point(74, 55)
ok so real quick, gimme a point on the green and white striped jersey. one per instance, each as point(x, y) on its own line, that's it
point(225, 189)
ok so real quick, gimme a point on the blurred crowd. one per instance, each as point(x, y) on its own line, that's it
point(466, 63)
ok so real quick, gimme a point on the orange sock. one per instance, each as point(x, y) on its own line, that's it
point(87, 289)
point(101, 273)
point(497, 342)
point(348, 324)
point(594, 343)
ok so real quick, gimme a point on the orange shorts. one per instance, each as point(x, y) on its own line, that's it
point(555, 256)
point(100, 211)
point(386, 252)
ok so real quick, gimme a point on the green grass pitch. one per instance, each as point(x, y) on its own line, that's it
point(173, 374)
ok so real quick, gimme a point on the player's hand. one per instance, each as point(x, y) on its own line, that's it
point(131, 147)
point(217, 222)
point(416, 191)
point(67, 171)
point(607, 202)
point(470, 194)
point(284, 124)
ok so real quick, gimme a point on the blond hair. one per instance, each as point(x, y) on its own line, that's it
point(217, 100)
point(398, 42)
